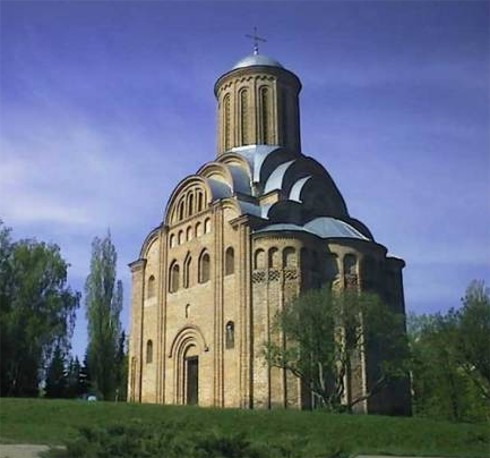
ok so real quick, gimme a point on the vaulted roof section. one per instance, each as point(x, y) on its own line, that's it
point(286, 189)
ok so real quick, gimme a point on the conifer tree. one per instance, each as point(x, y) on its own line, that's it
point(56, 380)
point(73, 385)
point(103, 300)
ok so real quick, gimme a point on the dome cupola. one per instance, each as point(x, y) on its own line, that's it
point(258, 104)
point(257, 60)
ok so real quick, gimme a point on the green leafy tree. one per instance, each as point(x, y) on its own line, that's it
point(438, 384)
point(103, 299)
point(56, 377)
point(322, 335)
point(122, 364)
point(450, 359)
point(37, 311)
point(473, 342)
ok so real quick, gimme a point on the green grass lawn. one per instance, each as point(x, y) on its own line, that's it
point(55, 421)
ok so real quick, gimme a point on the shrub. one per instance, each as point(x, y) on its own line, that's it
point(173, 440)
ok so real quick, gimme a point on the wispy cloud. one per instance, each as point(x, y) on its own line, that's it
point(105, 111)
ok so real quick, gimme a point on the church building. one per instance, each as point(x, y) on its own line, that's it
point(240, 238)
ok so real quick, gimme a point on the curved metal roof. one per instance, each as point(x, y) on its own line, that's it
point(276, 177)
point(324, 227)
point(241, 181)
point(219, 189)
point(308, 201)
point(295, 193)
point(257, 59)
point(255, 155)
point(331, 227)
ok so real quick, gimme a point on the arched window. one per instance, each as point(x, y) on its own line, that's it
point(174, 278)
point(229, 261)
point(189, 233)
point(230, 335)
point(172, 240)
point(181, 209)
point(199, 201)
point(190, 204)
point(285, 122)
point(259, 259)
point(289, 258)
point(350, 261)
point(150, 292)
point(187, 272)
point(350, 271)
point(227, 121)
point(198, 229)
point(264, 111)
point(273, 261)
point(149, 352)
point(181, 237)
point(207, 226)
point(204, 268)
point(244, 114)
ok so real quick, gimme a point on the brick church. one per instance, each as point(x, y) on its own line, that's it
point(247, 232)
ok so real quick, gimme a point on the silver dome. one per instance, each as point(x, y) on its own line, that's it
point(257, 59)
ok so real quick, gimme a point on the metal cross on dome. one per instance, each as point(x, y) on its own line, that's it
point(256, 40)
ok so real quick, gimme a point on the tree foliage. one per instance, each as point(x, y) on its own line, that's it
point(450, 359)
point(103, 300)
point(473, 343)
point(321, 336)
point(122, 365)
point(56, 377)
point(37, 311)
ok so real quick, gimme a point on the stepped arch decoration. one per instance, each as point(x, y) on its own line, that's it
point(188, 339)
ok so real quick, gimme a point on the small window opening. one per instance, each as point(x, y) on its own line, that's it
point(230, 335)
point(229, 261)
point(149, 352)
point(151, 287)
point(187, 272)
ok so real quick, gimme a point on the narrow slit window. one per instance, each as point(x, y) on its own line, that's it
point(229, 261)
point(230, 335)
point(151, 287)
point(149, 352)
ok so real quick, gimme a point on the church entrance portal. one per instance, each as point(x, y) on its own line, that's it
point(192, 380)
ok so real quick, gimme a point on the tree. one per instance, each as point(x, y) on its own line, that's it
point(75, 386)
point(450, 359)
point(325, 335)
point(56, 377)
point(473, 342)
point(37, 311)
point(85, 379)
point(439, 386)
point(103, 299)
point(122, 363)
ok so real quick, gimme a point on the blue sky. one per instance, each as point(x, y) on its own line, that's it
point(106, 106)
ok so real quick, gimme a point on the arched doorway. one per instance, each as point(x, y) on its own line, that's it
point(191, 376)
point(187, 352)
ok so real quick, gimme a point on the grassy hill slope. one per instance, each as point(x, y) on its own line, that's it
point(55, 421)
